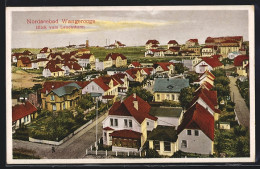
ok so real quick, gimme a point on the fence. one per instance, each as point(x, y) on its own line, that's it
point(115, 153)
point(57, 143)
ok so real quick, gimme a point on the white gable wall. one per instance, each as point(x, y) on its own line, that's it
point(198, 69)
point(92, 87)
point(201, 144)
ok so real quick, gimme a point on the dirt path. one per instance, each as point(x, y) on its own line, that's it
point(22, 79)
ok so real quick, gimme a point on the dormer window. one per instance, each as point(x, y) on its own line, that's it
point(52, 98)
point(170, 87)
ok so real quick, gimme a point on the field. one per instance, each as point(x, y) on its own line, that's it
point(22, 79)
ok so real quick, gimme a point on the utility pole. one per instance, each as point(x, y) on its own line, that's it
point(96, 120)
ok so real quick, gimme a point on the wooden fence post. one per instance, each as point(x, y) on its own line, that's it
point(128, 153)
point(106, 152)
point(91, 147)
point(86, 151)
point(116, 153)
point(96, 151)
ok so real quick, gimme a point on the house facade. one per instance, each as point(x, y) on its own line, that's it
point(241, 63)
point(166, 68)
point(119, 60)
point(150, 43)
point(191, 42)
point(23, 114)
point(86, 59)
point(208, 51)
point(190, 63)
point(168, 89)
point(208, 64)
point(44, 53)
point(195, 134)
point(126, 126)
point(61, 98)
point(135, 74)
point(24, 63)
point(172, 43)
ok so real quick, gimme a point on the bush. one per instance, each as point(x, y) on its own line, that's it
point(21, 133)
point(152, 154)
point(171, 103)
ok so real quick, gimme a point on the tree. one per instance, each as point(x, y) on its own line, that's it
point(186, 97)
point(88, 66)
point(85, 102)
point(192, 77)
point(218, 72)
point(222, 80)
point(179, 68)
point(143, 93)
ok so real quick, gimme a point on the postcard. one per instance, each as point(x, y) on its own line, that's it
point(136, 84)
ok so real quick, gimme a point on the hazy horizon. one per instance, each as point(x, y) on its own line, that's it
point(128, 27)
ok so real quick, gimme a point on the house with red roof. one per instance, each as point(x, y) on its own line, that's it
point(44, 53)
point(86, 59)
point(196, 131)
point(147, 71)
point(22, 114)
point(172, 43)
point(122, 80)
point(208, 51)
point(152, 44)
point(126, 126)
point(241, 63)
point(208, 64)
point(119, 44)
point(24, 62)
point(73, 67)
point(208, 99)
point(134, 64)
point(134, 75)
point(106, 86)
point(218, 40)
point(207, 76)
point(118, 59)
point(191, 42)
point(60, 96)
point(53, 70)
point(164, 68)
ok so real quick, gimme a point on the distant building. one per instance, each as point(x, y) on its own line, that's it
point(152, 44)
point(44, 52)
point(191, 43)
point(24, 63)
point(118, 59)
point(208, 63)
point(233, 55)
point(208, 51)
point(172, 43)
point(241, 63)
point(190, 63)
point(119, 44)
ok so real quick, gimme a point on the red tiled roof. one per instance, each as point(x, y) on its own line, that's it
point(136, 64)
point(204, 97)
point(25, 60)
point(73, 65)
point(83, 50)
point(211, 46)
point(221, 39)
point(197, 117)
point(213, 62)
point(27, 52)
point(42, 59)
point(101, 83)
point(54, 62)
point(209, 74)
point(85, 56)
point(45, 50)
point(207, 85)
point(154, 45)
point(119, 43)
point(107, 128)
point(173, 42)
point(53, 68)
point(152, 42)
point(126, 108)
point(238, 61)
point(22, 110)
point(193, 40)
point(132, 72)
point(117, 78)
point(50, 85)
point(128, 134)
point(164, 65)
point(148, 70)
point(82, 84)
point(210, 94)
point(114, 56)
point(229, 41)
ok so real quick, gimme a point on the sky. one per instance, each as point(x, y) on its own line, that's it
point(132, 28)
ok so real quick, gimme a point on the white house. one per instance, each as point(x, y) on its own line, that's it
point(208, 63)
point(208, 51)
point(22, 114)
point(44, 52)
point(125, 128)
point(154, 53)
point(196, 131)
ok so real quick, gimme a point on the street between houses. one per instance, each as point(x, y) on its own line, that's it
point(74, 148)
point(241, 109)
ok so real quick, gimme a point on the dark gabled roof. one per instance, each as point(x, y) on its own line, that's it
point(170, 85)
point(45, 50)
point(136, 64)
point(197, 117)
point(25, 60)
point(166, 111)
point(173, 42)
point(66, 90)
point(163, 133)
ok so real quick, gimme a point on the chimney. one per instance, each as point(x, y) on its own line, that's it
point(135, 102)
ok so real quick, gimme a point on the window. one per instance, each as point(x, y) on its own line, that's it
point(52, 97)
point(173, 97)
point(93, 88)
point(116, 122)
point(54, 107)
point(167, 146)
point(196, 132)
point(64, 106)
point(148, 124)
point(105, 134)
point(125, 122)
point(188, 132)
point(184, 144)
point(130, 123)
point(111, 122)
point(158, 96)
point(156, 145)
